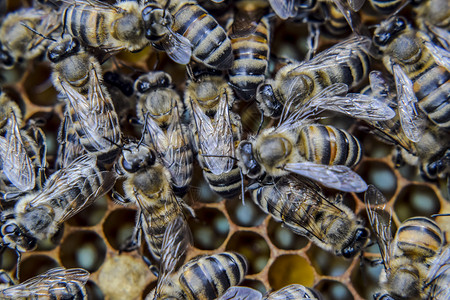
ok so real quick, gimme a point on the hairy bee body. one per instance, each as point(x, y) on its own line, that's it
point(300, 205)
point(148, 185)
point(57, 283)
point(160, 108)
point(403, 46)
point(290, 292)
point(347, 62)
point(335, 25)
point(251, 58)
point(386, 6)
point(108, 27)
point(78, 75)
point(217, 132)
point(205, 277)
point(189, 31)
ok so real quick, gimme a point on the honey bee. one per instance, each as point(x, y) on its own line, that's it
point(293, 291)
point(57, 283)
point(302, 207)
point(38, 215)
point(347, 62)
point(431, 153)
point(100, 25)
point(319, 152)
point(408, 258)
point(406, 54)
point(217, 132)
point(18, 39)
point(147, 184)
point(159, 107)
point(77, 75)
point(250, 39)
point(183, 29)
point(201, 278)
point(22, 159)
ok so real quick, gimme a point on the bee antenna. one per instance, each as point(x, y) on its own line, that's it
point(166, 6)
point(36, 32)
point(114, 143)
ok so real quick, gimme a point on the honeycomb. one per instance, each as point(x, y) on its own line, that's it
point(276, 256)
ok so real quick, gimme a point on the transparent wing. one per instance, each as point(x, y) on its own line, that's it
point(356, 4)
point(93, 5)
point(41, 284)
point(413, 123)
point(441, 34)
point(176, 241)
point(439, 276)
point(440, 55)
point(177, 47)
point(241, 293)
point(336, 177)
point(380, 87)
point(17, 165)
point(353, 19)
point(295, 291)
point(284, 9)
point(380, 220)
point(69, 146)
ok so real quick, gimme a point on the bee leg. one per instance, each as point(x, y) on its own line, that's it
point(151, 266)
point(9, 196)
point(134, 241)
point(119, 198)
point(312, 40)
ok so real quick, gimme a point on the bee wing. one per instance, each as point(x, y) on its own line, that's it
point(441, 34)
point(241, 293)
point(353, 19)
point(439, 275)
point(356, 4)
point(441, 56)
point(284, 9)
point(413, 123)
point(177, 239)
point(380, 88)
point(41, 284)
point(177, 47)
point(336, 177)
point(69, 144)
point(380, 220)
point(17, 165)
point(92, 5)
point(297, 290)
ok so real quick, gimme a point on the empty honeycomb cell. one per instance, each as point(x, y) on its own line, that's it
point(119, 226)
point(210, 228)
point(123, 277)
point(284, 238)
point(40, 87)
point(253, 246)
point(333, 290)
point(372, 146)
point(35, 265)
point(380, 175)
point(92, 215)
point(93, 291)
point(51, 243)
point(83, 249)
point(365, 278)
point(246, 214)
point(255, 284)
point(290, 269)
point(416, 200)
point(326, 263)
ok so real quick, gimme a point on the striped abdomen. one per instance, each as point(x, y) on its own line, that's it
point(251, 54)
point(418, 236)
point(208, 277)
point(335, 25)
point(88, 25)
point(328, 145)
point(386, 6)
point(210, 43)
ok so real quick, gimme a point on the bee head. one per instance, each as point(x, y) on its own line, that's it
point(63, 49)
point(388, 30)
point(359, 241)
point(267, 102)
point(157, 22)
point(153, 81)
point(249, 164)
point(136, 157)
point(15, 238)
point(6, 60)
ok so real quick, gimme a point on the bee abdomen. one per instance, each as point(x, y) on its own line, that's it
point(80, 19)
point(227, 185)
point(328, 145)
point(385, 6)
point(210, 276)
point(211, 44)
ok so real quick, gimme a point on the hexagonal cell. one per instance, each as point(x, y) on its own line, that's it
point(35, 265)
point(52, 242)
point(253, 246)
point(83, 249)
point(123, 277)
point(92, 215)
point(248, 214)
point(326, 263)
point(119, 226)
point(334, 290)
point(254, 284)
point(39, 88)
point(93, 291)
point(380, 175)
point(210, 228)
point(290, 269)
point(416, 200)
point(284, 238)
point(373, 147)
point(365, 279)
